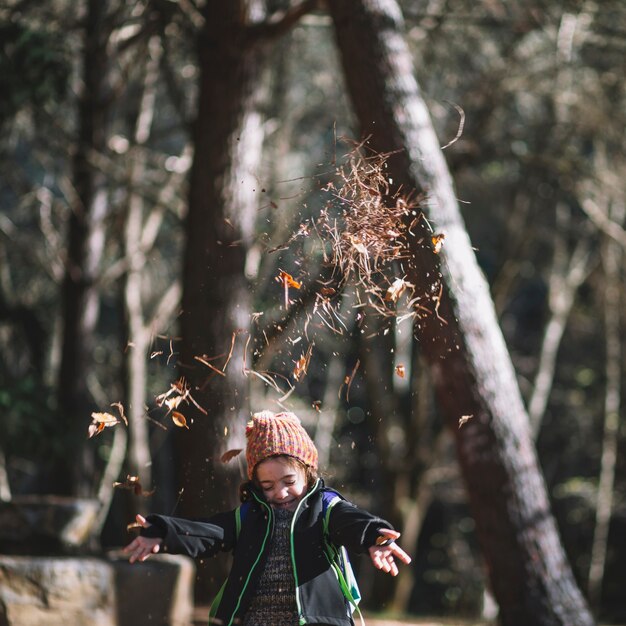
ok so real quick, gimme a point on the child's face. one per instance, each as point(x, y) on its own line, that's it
point(283, 484)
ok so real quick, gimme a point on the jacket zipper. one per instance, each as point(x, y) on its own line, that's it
point(267, 531)
point(301, 618)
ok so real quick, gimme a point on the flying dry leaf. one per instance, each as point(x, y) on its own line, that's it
point(400, 371)
point(95, 429)
point(172, 403)
point(100, 422)
point(179, 419)
point(230, 454)
point(302, 364)
point(397, 288)
point(464, 419)
point(132, 483)
point(133, 526)
point(120, 408)
point(288, 280)
point(317, 405)
point(437, 242)
point(104, 418)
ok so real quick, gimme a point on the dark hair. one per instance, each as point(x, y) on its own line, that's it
point(310, 473)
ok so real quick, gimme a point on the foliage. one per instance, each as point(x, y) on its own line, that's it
point(34, 68)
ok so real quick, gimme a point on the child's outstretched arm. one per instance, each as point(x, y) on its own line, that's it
point(141, 548)
point(383, 554)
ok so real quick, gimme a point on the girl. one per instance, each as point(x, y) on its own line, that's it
point(284, 537)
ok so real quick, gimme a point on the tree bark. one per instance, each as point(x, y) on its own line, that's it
point(612, 261)
point(216, 301)
point(80, 298)
point(471, 369)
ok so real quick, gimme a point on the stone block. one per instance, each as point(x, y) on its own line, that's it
point(157, 592)
point(40, 524)
point(56, 591)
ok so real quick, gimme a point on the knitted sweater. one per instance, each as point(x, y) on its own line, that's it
point(274, 601)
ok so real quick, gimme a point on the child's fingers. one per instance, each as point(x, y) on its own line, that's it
point(131, 546)
point(142, 521)
point(397, 551)
point(389, 533)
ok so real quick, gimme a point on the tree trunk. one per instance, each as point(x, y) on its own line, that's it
point(216, 300)
point(612, 262)
point(80, 299)
point(471, 369)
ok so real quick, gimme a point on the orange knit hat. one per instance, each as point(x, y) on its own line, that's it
point(269, 434)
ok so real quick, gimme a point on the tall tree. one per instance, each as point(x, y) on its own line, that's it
point(86, 238)
point(471, 370)
point(216, 301)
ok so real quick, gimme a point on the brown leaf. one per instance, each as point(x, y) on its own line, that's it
point(302, 364)
point(100, 422)
point(437, 242)
point(397, 288)
point(120, 407)
point(179, 419)
point(95, 429)
point(400, 371)
point(104, 418)
point(230, 454)
point(172, 403)
point(288, 280)
point(133, 484)
point(464, 419)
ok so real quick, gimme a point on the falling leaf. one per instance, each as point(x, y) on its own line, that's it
point(179, 419)
point(133, 526)
point(104, 418)
point(120, 408)
point(172, 403)
point(95, 429)
point(302, 364)
point(400, 371)
point(100, 422)
point(230, 454)
point(288, 280)
point(437, 242)
point(397, 288)
point(317, 405)
point(464, 419)
point(132, 483)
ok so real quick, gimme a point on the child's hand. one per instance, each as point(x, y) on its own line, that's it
point(383, 556)
point(141, 548)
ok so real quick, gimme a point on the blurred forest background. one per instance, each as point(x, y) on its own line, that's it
point(158, 158)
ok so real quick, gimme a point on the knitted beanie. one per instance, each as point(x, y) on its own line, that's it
point(269, 434)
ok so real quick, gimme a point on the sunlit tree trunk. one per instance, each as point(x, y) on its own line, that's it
point(86, 238)
point(471, 369)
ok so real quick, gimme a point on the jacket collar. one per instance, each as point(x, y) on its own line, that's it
point(249, 490)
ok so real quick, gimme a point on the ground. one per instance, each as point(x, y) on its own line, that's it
point(201, 615)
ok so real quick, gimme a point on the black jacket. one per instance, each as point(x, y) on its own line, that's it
point(319, 598)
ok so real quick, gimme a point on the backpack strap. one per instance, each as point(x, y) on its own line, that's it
point(338, 557)
point(240, 514)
